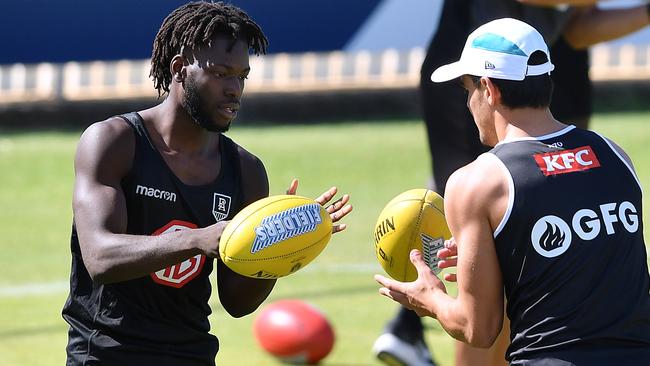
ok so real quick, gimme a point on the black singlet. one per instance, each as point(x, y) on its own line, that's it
point(160, 319)
point(572, 253)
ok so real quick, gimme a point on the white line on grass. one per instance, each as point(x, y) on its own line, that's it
point(57, 287)
point(344, 268)
point(33, 289)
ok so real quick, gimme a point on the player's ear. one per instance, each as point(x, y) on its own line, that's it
point(493, 94)
point(177, 68)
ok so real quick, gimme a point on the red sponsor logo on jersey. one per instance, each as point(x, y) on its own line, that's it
point(567, 161)
point(179, 274)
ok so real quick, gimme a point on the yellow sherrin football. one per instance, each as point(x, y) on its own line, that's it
point(275, 236)
point(414, 219)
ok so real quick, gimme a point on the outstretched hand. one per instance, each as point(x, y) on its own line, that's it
point(416, 295)
point(337, 209)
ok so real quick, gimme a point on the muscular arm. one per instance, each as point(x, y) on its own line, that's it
point(241, 295)
point(558, 2)
point(476, 199)
point(593, 25)
point(103, 158)
point(472, 195)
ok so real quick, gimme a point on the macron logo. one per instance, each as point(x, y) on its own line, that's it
point(567, 161)
point(155, 193)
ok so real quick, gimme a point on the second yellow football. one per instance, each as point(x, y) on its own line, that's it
point(414, 219)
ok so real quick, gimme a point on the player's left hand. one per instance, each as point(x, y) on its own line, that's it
point(337, 209)
point(416, 295)
point(448, 258)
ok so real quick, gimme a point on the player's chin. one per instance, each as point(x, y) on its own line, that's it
point(218, 125)
point(225, 127)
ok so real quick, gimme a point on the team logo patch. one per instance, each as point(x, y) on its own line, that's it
point(286, 224)
point(567, 161)
point(551, 236)
point(179, 274)
point(430, 248)
point(220, 206)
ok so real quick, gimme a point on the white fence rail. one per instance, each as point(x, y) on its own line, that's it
point(276, 73)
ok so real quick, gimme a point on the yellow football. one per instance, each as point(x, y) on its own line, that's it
point(414, 219)
point(275, 236)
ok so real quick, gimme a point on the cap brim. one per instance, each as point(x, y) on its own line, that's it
point(448, 72)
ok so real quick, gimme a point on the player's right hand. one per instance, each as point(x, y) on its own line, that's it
point(210, 245)
point(337, 209)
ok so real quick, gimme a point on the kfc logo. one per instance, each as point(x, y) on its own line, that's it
point(179, 274)
point(567, 161)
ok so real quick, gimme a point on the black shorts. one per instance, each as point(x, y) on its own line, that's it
point(572, 92)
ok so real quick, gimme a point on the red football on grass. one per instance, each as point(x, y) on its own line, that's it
point(294, 331)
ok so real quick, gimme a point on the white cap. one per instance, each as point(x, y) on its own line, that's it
point(499, 49)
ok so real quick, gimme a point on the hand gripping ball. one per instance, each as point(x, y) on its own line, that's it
point(412, 220)
point(275, 236)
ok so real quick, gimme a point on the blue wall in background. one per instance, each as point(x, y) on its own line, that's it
point(77, 30)
point(65, 30)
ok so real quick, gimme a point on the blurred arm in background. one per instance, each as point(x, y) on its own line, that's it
point(592, 25)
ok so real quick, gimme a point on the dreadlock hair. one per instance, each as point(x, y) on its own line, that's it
point(193, 25)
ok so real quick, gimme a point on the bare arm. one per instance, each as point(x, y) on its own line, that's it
point(241, 295)
point(558, 2)
point(475, 316)
point(103, 158)
point(593, 25)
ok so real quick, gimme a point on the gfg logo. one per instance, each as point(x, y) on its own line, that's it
point(551, 236)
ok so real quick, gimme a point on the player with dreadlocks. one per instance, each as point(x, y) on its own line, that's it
point(153, 191)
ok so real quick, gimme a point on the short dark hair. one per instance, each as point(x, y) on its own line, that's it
point(533, 91)
point(195, 24)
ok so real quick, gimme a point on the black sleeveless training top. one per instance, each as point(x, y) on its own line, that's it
point(572, 253)
point(160, 319)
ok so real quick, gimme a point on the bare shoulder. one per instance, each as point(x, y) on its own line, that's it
point(111, 131)
point(479, 189)
point(483, 178)
point(105, 146)
point(255, 182)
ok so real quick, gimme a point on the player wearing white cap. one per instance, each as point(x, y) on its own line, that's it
point(542, 217)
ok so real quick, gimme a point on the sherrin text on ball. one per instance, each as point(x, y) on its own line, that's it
point(414, 219)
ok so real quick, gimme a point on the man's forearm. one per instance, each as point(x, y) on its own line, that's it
point(477, 330)
point(558, 2)
point(594, 25)
point(121, 257)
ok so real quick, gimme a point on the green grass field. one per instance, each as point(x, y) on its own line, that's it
point(371, 161)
